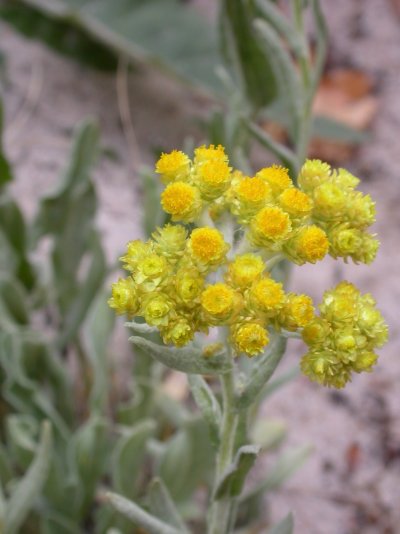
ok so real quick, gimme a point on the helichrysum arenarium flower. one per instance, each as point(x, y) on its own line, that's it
point(186, 279)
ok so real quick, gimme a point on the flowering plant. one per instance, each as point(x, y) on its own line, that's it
point(207, 287)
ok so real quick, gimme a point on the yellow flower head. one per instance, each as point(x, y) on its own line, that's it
point(170, 241)
point(156, 309)
point(253, 191)
point(124, 299)
point(179, 333)
point(310, 244)
point(135, 252)
point(250, 338)
point(316, 332)
point(244, 269)
point(270, 225)
point(204, 153)
point(182, 201)
point(151, 271)
point(329, 201)
point(297, 312)
point(361, 210)
point(276, 177)
point(344, 179)
point(207, 246)
point(295, 202)
point(212, 178)
point(189, 285)
point(173, 166)
point(218, 301)
point(365, 361)
point(340, 307)
point(267, 296)
point(322, 366)
point(313, 173)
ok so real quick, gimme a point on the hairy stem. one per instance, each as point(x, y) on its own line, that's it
point(221, 510)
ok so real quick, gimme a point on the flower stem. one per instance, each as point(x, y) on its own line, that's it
point(221, 509)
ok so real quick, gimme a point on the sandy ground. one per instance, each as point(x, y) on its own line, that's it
point(351, 484)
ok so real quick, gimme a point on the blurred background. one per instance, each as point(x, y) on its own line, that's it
point(54, 74)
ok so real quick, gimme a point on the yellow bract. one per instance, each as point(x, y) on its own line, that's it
point(173, 166)
point(267, 295)
point(270, 224)
point(218, 301)
point(276, 177)
point(250, 338)
point(295, 202)
point(207, 246)
point(182, 201)
point(245, 269)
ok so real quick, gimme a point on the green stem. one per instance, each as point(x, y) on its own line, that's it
point(221, 509)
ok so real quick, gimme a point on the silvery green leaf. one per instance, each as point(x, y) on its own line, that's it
point(187, 460)
point(141, 328)
point(267, 10)
point(244, 54)
point(208, 405)
point(88, 454)
point(283, 469)
point(22, 433)
point(268, 433)
point(162, 505)
point(96, 336)
point(285, 71)
point(187, 359)
point(322, 42)
point(128, 455)
point(232, 481)
point(138, 515)
point(170, 36)
point(30, 486)
point(328, 128)
point(285, 526)
point(262, 371)
point(280, 381)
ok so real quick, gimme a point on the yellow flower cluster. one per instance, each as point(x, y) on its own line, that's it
point(343, 338)
point(323, 214)
point(168, 287)
point(187, 279)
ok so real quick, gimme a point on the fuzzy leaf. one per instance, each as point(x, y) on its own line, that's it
point(208, 405)
point(244, 55)
point(283, 469)
point(162, 505)
point(187, 360)
point(128, 455)
point(138, 516)
point(285, 71)
point(165, 33)
point(30, 485)
point(231, 483)
point(262, 372)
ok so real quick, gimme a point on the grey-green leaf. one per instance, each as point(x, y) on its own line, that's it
point(208, 405)
point(162, 505)
point(188, 360)
point(31, 484)
point(286, 465)
point(128, 455)
point(262, 372)
point(139, 516)
point(232, 481)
